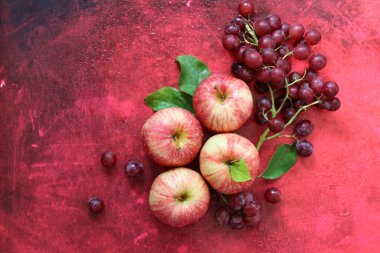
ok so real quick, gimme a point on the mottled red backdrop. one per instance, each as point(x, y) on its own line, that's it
point(73, 75)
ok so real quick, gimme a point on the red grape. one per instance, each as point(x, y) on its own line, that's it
point(330, 89)
point(274, 21)
point(312, 37)
point(276, 125)
point(269, 56)
point(252, 58)
point(246, 8)
point(296, 31)
point(304, 148)
point(273, 195)
point(232, 29)
point(262, 27)
point(316, 84)
point(301, 52)
point(317, 62)
point(306, 94)
point(231, 42)
point(267, 41)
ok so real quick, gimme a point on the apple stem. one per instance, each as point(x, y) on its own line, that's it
point(221, 95)
point(176, 142)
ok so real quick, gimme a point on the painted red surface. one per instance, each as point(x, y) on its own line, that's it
point(73, 75)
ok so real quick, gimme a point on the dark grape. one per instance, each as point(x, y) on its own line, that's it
point(261, 87)
point(279, 100)
point(285, 28)
point(294, 76)
point(231, 42)
point(310, 74)
point(317, 62)
point(278, 36)
point(134, 168)
point(263, 74)
point(248, 196)
point(222, 216)
point(272, 195)
point(306, 94)
point(304, 128)
point(304, 148)
point(95, 205)
point(278, 85)
point(267, 41)
point(252, 58)
point(108, 159)
point(312, 37)
point(293, 92)
point(252, 213)
point(262, 27)
point(304, 84)
point(236, 221)
point(298, 104)
point(239, 54)
point(260, 119)
point(332, 104)
point(301, 52)
point(330, 89)
point(237, 201)
point(214, 199)
point(284, 50)
point(242, 72)
point(246, 8)
point(232, 29)
point(296, 31)
point(288, 114)
point(269, 56)
point(284, 64)
point(240, 22)
point(316, 84)
point(274, 21)
point(263, 104)
point(277, 76)
point(276, 125)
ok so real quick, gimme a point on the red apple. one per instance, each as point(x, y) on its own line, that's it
point(179, 197)
point(223, 103)
point(218, 152)
point(172, 136)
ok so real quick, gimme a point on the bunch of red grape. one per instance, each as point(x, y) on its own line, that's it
point(263, 48)
point(238, 209)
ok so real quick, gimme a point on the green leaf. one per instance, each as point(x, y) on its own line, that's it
point(239, 171)
point(193, 72)
point(282, 160)
point(169, 97)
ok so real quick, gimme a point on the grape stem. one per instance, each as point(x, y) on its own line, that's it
point(262, 139)
point(274, 112)
point(290, 53)
point(222, 198)
point(251, 32)
point(273, 109)
point(298, 80)
point(302, 108)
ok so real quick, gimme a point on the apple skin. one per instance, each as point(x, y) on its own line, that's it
point(165, 202)
point(218, 114)
point(217, 151)
point(158, 135)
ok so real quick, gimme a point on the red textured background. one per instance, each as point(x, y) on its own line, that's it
point(73, 75)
